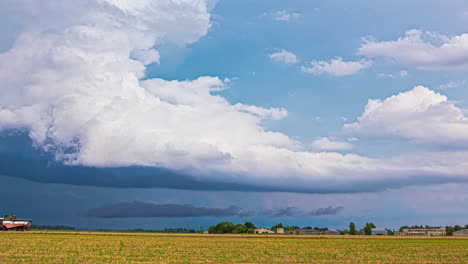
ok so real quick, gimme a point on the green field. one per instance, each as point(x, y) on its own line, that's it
point(96, 247)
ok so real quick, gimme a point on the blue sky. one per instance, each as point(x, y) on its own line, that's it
point(358, 106)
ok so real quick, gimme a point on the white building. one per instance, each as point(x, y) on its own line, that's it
point(263, 231)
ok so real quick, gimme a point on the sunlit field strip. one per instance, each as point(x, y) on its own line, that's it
point(105, 247)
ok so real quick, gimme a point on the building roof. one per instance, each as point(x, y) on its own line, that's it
point(463, 232)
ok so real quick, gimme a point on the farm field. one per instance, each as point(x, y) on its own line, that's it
point(103, 247)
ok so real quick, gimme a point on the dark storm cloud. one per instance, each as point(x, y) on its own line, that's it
point(143, 209)
point(293, 212)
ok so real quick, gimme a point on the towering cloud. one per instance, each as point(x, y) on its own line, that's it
point(74, 80)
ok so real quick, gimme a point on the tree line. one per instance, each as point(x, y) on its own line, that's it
point(248, 228)
point(228, 227)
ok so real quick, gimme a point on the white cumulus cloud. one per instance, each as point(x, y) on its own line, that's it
point(422, 50)
point(420, 115)
point(336, 67)
point(284, 56)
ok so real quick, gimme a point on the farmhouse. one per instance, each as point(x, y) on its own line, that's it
point(375, 232)
point(263, 231)
point(279, 230)
point(304, 231)
point(440, 231)
point(463, 232)
point(331, 232)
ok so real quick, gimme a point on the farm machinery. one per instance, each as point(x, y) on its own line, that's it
point(11, 223)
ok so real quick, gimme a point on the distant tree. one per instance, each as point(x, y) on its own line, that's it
point(224, 227)
point(212, 230)
point(390, 232)
point(279, 225)
point(291, 228)
point(321, 229)
point(403, 227)
point(466, 227)
point(449, 230)
point(344, 232)
point(249, 225)
point(368, 228)
point(457, 228)
point(239, 229)
point(250, 230)
point(352, 229)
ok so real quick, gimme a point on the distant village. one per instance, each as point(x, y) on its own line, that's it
point(369, 229)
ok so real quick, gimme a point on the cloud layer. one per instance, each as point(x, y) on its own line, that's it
point(75, 83)
point(333, 145)
point(295, 212)
point(145, 209)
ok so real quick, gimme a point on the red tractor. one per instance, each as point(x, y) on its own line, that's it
point(11, 223)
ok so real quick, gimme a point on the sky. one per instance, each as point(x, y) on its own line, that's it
point(119, 114)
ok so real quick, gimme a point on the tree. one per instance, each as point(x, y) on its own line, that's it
point(279, 225)
point(249, 225)
point(224, 227)
point(466, 227)
point(368, 228)
point(239, 229)
point(291, 228)
point(457, 228)
point(390, 232)
point(321, 229)
point(250, 230)
point(212, 230)
point(352, 229)
point(449, 230)
point(403, 227)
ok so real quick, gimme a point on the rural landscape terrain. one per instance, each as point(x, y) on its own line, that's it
point(113, 247)
point(234, 131)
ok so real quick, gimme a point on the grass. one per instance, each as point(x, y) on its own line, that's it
point(100, 247)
